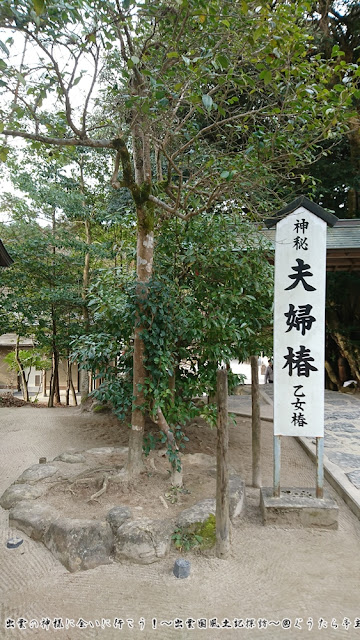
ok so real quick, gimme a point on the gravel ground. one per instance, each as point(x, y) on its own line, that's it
point(273, 574)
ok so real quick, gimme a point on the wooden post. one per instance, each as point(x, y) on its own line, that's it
point(255, 423)
point(222, 468)
point(319, 467)
point(44, 383)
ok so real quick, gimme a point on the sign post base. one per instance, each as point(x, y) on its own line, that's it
point(298, 507)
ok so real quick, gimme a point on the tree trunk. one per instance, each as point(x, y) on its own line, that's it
point(71, 384)
point(176, 473)
point(57, 382)
point(54, 381)
point(222, 467)
point(255, 423)
point(68, 374)
point(347, 351)
point(24, 384)
point(54, 394)
point(84, 388)
point(332, 375)
point(44, 383)
point(172, 383)
point(84, 385)
point(145, 252)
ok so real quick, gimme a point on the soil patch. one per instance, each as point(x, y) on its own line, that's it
point(150, 496)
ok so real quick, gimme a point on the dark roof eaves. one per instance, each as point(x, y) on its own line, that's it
point(5, 259)
point(302, 201)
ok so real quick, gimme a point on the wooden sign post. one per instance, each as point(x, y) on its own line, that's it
point(299, 329)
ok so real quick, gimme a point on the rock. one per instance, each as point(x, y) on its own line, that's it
point(236, 496)
point(117, 516)
point(143, 541)
point(17, 492)
point(37, 472)
point(14, 543)
point(70, 458)
point(199, 512)
point(79, 544)
point(32, 517)
point(181, 568)
point(108, 450)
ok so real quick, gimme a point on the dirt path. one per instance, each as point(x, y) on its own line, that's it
point(272, 574)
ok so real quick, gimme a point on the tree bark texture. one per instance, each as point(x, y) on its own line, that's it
point(44, 374)
point(333, 377)
point(24, 384)
point(54, 395)
point(84, 386)
point(222, 468)
point(349, 352)
point(145, 253)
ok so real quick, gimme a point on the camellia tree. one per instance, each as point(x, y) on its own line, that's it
point(199, 101)
point(209, 301)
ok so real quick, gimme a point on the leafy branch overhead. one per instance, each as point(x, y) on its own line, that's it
point(215, 93)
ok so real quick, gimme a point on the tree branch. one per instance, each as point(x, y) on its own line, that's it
point(61, 142)
point(213, 125)
point(96, 63)
point(65, 90)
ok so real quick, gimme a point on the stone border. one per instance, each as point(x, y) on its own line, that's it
point(81, 544)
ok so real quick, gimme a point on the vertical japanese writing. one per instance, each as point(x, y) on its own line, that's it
point(300, 242)
point(300, 261)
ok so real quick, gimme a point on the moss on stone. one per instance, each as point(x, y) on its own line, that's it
point(207, 531)
point(199, 535)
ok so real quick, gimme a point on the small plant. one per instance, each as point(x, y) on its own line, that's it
point(173, 494)
point(184, 540)
point(200, 535)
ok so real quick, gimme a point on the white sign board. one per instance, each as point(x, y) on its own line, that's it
point(299, 324)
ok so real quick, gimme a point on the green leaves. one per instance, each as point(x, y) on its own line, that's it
point(266, 76)
point(207, 101)
point(39, 6)
point(4, 151)
point(4, 47)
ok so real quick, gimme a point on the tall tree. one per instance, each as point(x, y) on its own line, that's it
point(41, 295)
point(181, 82)
point(337, 33)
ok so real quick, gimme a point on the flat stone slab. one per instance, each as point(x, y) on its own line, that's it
point(341, 427)
point(105, 451)
point(298, 508)
point(79, 544)
point(199, 512)
point(236, 496)
point(32, 517)
point(37, 472)
point(345, 460)
point(70, 458)
point(354, 477)
point(144, 541)
point(18, 492)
